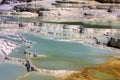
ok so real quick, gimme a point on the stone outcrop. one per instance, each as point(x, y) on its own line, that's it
point(9, 1)
point(114, 43)
point(29, 67)
point(109, 1)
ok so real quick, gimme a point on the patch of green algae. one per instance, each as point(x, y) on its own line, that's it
point(101, 75)
point(108, 71)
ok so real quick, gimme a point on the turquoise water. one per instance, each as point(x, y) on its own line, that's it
point(10, 71)
point(102, 75)
point(60, 55)
point(38, 76)
point(19, 52)
point(66, 55)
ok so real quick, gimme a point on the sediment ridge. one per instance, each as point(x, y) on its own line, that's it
point(6, 47)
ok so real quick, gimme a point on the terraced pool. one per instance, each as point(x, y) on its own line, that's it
point(66, 55)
